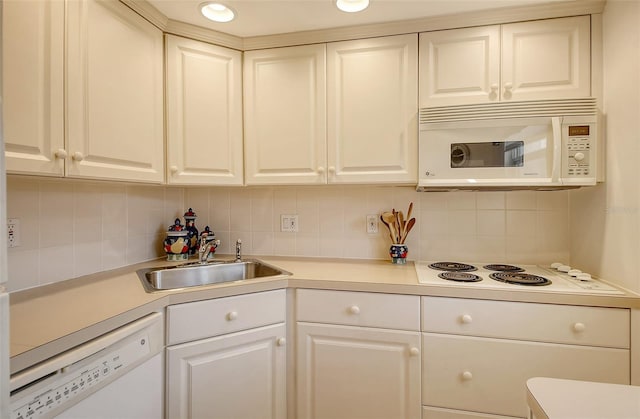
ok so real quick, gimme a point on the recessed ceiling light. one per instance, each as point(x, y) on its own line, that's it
point(217, 12)
point(352, 6)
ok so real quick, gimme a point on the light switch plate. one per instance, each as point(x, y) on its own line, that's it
point(289, 223)
point(13, 230)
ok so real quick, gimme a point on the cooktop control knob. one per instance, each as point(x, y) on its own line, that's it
point(564, 268)
point(556, 265)
point(574, 272)
point(584, 277)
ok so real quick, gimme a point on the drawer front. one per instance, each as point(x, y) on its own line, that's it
point(594, 326)
point(429, 412)
point(489, 375)
point(366, 309)
point(202, 319)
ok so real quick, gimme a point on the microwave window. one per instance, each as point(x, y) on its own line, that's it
point(491, 154)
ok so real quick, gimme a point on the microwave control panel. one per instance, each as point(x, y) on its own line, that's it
point(579, 146)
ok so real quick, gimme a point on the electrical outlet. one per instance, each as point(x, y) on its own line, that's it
point(13, 230)
point(289, 223)
point(372, 224)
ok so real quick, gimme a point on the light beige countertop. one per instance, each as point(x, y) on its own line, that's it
point(51, 319)
point(554, 398)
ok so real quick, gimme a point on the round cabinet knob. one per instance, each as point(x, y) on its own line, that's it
point(354, 310)
point(507, 90)
point(61, 153)
point(466, 375)
point(232, 315)
point(173, 169)
point(579, 327)
point(414, 351)
point(579, 156)
point(493, 93)
point(332, 169)
point(320, 169)
point(78, 156)
point(466, 319)
point(281, 341)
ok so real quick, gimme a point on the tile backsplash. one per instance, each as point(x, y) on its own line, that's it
point(74, 228)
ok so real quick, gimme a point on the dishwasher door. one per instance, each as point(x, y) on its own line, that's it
point(117, 375)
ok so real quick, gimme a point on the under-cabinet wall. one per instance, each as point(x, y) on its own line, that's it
point(71, 228)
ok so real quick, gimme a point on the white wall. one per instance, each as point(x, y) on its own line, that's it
point(605, 221)
point(73, 228)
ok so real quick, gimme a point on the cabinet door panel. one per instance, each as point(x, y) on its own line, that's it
point(204, 113)
point(114, 93)
point(372, 120)
point(546, 59)
point(489, 375)
point(353, 372)
point(285, 132)
point(459, 66)
point(236, 376)
point(32, 74)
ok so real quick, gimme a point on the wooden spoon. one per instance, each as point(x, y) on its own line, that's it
point(410, 225)
point(388, 227)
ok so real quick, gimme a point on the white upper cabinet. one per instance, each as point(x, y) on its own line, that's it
point(365, 131)
point(285, 115)
point(544, 59)
point(204, 113)
point(114, 93)
point(33, 86)
point(373, 107)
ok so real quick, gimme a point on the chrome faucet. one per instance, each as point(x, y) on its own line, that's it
point(238, 250)
point(204, 249)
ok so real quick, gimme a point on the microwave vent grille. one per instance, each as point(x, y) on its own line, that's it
point(502, 110)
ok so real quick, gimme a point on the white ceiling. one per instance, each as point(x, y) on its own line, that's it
point(268, 17)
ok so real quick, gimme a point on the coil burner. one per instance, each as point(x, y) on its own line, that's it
point(452, 266)
point(519, 278)
point(503, 268)
point(459, 276)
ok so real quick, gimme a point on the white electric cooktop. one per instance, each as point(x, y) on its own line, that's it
point(558, 277)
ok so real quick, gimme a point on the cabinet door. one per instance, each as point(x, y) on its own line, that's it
point(373, 108)
point(114, 93)
point(489, 375)
point(235, 376)
point(356, 372)
point(285, 115)
point(32, 74)
point(546, 59)
point(204, 113)
point(459, 66)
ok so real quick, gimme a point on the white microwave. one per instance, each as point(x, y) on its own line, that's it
point(526, 145)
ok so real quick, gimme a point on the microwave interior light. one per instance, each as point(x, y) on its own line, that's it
point(217, 12)
point(352, 6)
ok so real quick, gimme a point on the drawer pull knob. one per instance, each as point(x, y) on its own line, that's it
point(466, 319)
point(61, 154)
point(232, 315)
point(579, 327)
point(354, 310)
point(414, 351)
point(77, 156)
point(467, 376)
point(281, 341)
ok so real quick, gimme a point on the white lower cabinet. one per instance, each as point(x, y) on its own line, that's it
point(366, 371)
point(233, 375)
point(477, 355)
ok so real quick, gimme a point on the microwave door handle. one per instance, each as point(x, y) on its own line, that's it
point(557, 150)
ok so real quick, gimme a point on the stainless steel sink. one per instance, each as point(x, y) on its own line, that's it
point(196, 274)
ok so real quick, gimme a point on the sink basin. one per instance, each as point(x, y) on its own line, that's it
point(196, 274)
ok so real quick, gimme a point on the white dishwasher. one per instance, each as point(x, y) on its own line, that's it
point(117, 375)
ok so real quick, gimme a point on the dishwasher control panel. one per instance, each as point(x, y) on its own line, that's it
point(86, 369)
